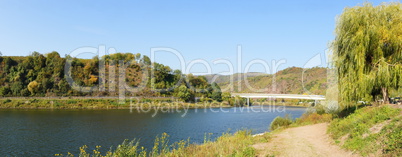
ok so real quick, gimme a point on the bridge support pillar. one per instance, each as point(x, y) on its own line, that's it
point(248, 101)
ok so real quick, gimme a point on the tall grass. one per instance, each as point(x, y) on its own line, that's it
point(237, 144)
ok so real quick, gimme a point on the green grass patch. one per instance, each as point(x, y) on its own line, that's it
point(358, 123)
point(357, 131)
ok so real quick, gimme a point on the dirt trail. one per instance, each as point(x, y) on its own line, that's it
point(310, 140)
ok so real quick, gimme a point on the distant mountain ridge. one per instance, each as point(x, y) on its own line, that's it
point(293, 80)
point(217, 78)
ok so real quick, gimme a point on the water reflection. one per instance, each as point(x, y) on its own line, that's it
point(46, 132)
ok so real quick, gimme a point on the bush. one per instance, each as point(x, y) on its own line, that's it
point(6, 101)
point(313, 118)
point(57, 104)
point(280, 122)
point(71, 102)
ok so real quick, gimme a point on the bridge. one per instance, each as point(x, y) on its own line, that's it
point(278, 96)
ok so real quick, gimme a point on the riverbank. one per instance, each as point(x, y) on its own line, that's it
point(114, 103)
point(102, 103)
point(369, 131)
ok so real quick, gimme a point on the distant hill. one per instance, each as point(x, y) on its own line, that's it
point(226, 78)
point(288, 81)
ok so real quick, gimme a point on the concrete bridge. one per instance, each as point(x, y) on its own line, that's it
point(278, 96)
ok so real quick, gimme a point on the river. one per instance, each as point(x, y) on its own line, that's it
point(49, 132)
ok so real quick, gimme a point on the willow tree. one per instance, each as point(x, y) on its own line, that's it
point(368, 52)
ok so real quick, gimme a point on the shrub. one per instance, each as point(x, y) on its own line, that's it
point(71, 102)
point(6, 101)
point(313, 118)
point(58, 104)
point(280, 122)
point(35, 101)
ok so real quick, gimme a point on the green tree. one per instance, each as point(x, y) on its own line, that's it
point(177, 75)
point(46, 85)
point(198, 82)
point(216, 93)
point(226, 96)
point(63, 86)
point(137, 56)
point(367, 51)
point(16, 88)
point(24, 92)
point(183, 93)
point(39, 61)
point(146, 60)
point(8, 63)
point(4, 90)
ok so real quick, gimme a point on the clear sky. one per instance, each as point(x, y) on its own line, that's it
point(293, 31)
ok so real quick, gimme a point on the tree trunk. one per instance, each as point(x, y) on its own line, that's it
point(385, 98)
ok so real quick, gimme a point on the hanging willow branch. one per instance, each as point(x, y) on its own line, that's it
point(368, 52)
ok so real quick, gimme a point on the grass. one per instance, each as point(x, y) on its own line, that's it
point(99, 104)
point(358, 123)
point(356, 132)
point(237, 144)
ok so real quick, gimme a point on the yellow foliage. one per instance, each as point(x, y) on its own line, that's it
point(93, 79)
point(33, 87)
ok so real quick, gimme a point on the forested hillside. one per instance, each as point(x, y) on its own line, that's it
point(288, 81)
point(44, 75)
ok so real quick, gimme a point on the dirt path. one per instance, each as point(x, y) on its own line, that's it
point(310, 140)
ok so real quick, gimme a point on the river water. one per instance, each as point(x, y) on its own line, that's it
point(49, 132)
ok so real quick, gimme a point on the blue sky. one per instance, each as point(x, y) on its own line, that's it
point(293, 31)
